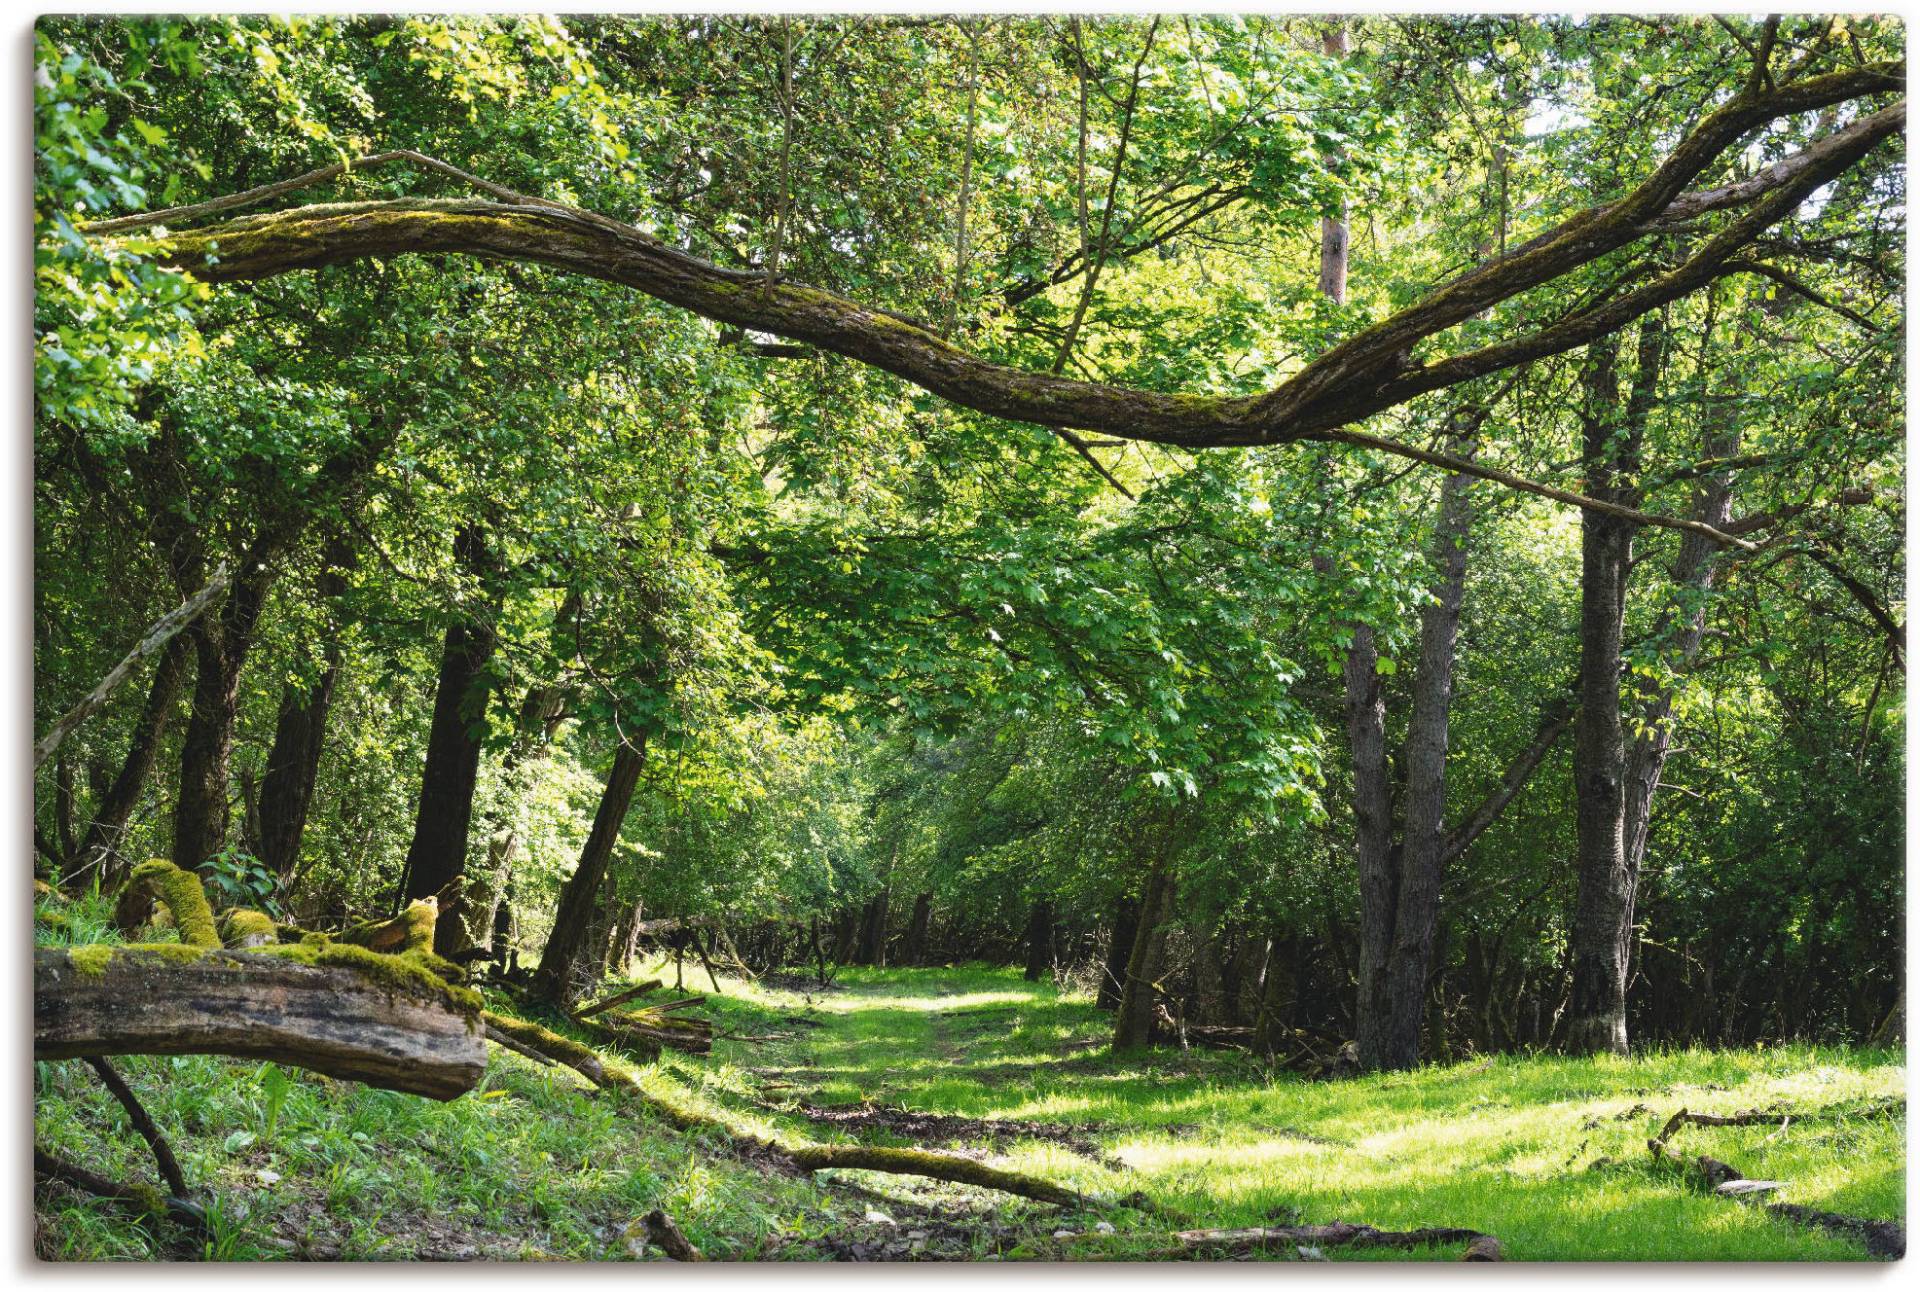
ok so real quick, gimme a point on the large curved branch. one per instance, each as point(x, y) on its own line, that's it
point(1362, 376)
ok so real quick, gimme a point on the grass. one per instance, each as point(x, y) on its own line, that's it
point(1547, 1153)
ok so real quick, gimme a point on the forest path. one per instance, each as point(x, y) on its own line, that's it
point(1546, 1153)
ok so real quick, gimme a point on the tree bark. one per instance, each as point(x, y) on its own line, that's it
point(582, 890)
point(438, 854)
point(1602, 931)
point(1365, 374)
point(1423, 850)
point(1375, 856)
point(915, 950)
point(1334, 233)
point(872, 948)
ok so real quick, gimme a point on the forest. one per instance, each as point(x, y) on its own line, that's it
point(969, 638)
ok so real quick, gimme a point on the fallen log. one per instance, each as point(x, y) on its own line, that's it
point(1479, 1246)
point(688, 1035)
point(1779, 1116)
point(500, 1038)
point(1886, 1239)
point(669, 1006)
point(621, 999)
point(338, 1010)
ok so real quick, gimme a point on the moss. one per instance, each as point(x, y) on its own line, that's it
point(411, 930)
point(555, 1046)
point(184, 953)
point(407, 972)
point(91, 961)
point(242, 927)
point(185, 899)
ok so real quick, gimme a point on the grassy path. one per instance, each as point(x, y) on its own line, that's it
point(1546, 1153)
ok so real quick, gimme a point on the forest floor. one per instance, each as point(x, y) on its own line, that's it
point(1547, 1154)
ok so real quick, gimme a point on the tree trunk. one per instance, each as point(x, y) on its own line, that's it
point(1603, 906)
point(1376, 857)
point(1113, 976)
point(846, 934)
point(582, 890)
point(221, 642)
point(482, 896)
point(872, 949)
point(915, 950)
point(1133, 1024)
point(1683, 628)
point(299, 736)
point(1423, 855)
point(438, 854)
point(1039, 939)
point(100, 846)
point(1334, 233)
point(1209, 979)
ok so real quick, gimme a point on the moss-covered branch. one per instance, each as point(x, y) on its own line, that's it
point(1371, 371)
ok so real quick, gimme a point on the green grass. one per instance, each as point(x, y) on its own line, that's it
point(537, 1165)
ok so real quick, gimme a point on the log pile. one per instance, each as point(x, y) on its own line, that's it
point(645, 1031)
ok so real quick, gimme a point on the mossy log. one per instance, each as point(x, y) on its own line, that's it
point(600, 1006)
point(342, 1011)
